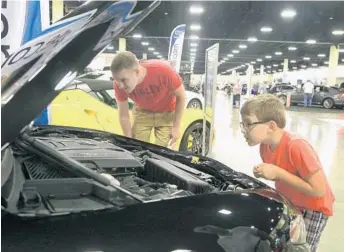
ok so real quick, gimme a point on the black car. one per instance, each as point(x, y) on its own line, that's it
point(71, 189)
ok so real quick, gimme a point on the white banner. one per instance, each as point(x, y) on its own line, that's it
point(176, 46)
point(211, 64)
point(21, 21)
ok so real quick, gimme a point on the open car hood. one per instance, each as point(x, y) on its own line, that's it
point(35, 74)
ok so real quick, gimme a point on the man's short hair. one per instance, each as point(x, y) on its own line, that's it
point(123, 60)
point(266, 107)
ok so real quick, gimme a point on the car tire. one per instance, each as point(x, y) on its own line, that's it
point(195, 131)
point(194, 103)
point(328, 103)
point(283, 99)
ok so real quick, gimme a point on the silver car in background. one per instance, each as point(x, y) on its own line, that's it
point(328, 97)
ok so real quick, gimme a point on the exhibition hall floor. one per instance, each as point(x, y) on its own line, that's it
point(325, 131)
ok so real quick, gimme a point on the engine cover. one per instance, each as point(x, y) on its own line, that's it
point(94, 154)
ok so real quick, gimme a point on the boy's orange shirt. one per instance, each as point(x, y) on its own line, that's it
point(297, 156)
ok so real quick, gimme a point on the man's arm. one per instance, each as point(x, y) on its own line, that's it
point(124, 118)
point(180, 104)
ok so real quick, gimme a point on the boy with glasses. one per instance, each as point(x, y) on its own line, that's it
point(290, 161)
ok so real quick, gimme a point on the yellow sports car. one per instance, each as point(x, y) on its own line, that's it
point(91, 104)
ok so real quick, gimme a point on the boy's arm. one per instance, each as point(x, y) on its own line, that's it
point(314, 185)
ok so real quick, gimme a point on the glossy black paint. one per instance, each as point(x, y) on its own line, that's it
point(158, 226)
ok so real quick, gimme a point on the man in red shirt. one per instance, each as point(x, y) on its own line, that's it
point(158, 95)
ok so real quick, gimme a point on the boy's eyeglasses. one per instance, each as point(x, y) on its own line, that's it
point(249, 126)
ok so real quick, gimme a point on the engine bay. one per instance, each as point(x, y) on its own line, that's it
point(51, 184)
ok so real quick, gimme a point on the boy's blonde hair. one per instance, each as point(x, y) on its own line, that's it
point(266, 107)
point(123, 60)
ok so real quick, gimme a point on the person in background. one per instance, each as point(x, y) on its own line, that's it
point(158, 94)
point(237, 90)
point(255, 88)
point(262, 88)
point(308, 90)
point(290, 161)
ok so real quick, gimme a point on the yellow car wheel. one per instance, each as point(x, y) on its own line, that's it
point(192, 139)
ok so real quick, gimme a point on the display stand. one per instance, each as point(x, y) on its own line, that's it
point(211, 63)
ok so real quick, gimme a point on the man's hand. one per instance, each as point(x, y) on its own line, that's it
point(267, 171)
point(175, 134)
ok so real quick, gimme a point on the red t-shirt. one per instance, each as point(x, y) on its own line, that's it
point(295, 155)
point(154, 93)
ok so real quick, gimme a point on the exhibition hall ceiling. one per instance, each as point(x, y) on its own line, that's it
point(260, 33)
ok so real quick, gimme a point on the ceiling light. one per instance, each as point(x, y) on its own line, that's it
point(278, 53)
point(342, 60)
point(194, 37)
point(326, 62)
point(137, 35)
point(195, 27)
point(110, 47)
point(253, 62)
point(293, 61)
point(279, 70)
point(303, 66)
point(306, 58)
point(292, 48)
point(144, 43)
point(269, 71)
point(151, 49)
point(156, 53)
point(159, 56)
point(268, 66)
point(274, 71)
point(252, 39)
point(196, 10)
point(193, 44)
point(321, 55)
point(282, 64)
point(311, 41)
point(268, 57)
point(288, 13)
point(242, 46)
point(314, 64)
point(266, 29)
point(338, 32)
point(230, 55)
point(193, 50)
point(275, 65)
point(235, 51)
point(294, 68)
point(166, 13)
point(341, 50)
point(259, 60)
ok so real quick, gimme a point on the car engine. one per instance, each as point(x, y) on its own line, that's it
point(144, 175)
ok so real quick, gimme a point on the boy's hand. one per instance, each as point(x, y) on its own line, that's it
point(267, 171)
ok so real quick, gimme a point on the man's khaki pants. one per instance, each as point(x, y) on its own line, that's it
point(145, 121)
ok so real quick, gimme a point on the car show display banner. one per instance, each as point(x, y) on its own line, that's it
point(176, 46)
point(21, 21)
point(211, 63)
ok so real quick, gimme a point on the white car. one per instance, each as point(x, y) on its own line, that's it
point(193, 99)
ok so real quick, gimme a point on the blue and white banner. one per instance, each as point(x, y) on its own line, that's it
point(21, 21)
point(176, 46)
